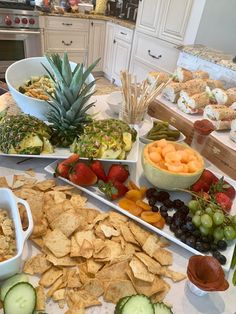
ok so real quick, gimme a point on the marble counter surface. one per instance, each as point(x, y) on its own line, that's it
point(113, 19)
point(209, 54)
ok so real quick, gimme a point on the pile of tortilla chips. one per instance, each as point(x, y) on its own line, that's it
point(86, 253)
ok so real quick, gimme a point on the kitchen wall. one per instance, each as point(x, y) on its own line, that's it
point(218, 26)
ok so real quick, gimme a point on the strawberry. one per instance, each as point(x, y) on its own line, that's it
point(113, 190)
point(98, 169)
point(64, 167)
point(81, 174)
point(118, 172)
point(224, 201)
point(224, 187)
point(200, 185)
point(208, 177)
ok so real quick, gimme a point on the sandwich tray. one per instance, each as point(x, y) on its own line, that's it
point(137, 176)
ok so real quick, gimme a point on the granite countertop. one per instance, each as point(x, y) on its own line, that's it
point(113, 19)
point(210, 54)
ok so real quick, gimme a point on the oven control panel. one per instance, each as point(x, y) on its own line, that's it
point(19, 20)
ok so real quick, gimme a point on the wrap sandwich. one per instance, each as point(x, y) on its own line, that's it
point(221, 116)
point(172, 90)
point(224, 97)
point(193, 104)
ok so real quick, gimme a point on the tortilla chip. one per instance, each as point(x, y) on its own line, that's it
point(3, 182)
point(73, 278)
point(45, 185)
point(75, 248)
point(22, 180)
point(67, 222)
point(30, 172)
point(61, 303)
point(78, 201)
point(52, 211)
point(152, 265)
point(163, 256)
point(80, 236)
point(174, 275)
point(75, 310)
point(37, 264)
point(158, 297)
point(118, 289)
point(93, 266)
point(83, 297)
point(94, 287)
point(113, 272)
point(144, 287)
point(25, 193)
point(37, 241)
point(98, 232)
point(127, 234)
point(117, 217)
point(140, 271)
point(139, 233)
point(58, 284)
point(100, 217)
point(91, 214)
point(86, 249)
point(50, 276)
point(59, 294)
point(103, 255)
point(163, 242)
point(57, 243)
point(41, 299)
point(151, 245)
point(62, 261)
point(59, 197)
point(109, 231)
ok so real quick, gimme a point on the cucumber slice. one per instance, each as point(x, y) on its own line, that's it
point(138, 304)
point(162, 308)
point(120, 304)
point(20, 299)
point(10, 282)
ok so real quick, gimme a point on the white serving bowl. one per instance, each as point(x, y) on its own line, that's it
point(21, 71)
point(114, 101)
point(9, 201)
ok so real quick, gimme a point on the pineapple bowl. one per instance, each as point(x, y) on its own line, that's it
point(23, 70)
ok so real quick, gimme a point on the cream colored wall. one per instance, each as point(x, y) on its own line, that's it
point(218, 25)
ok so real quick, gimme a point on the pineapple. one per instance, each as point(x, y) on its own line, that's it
point(24, 134)
point(68, 106)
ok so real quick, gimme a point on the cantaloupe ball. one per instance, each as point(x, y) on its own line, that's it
point(185, 168)
point(155, 157)
point(176, 168)
point(184, 156)
point(162, 143)
point(172, 157)
point(194, 165)
point(167, 149)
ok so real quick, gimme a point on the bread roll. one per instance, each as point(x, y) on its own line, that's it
point(172, 90)
point(214, 84)
point(219, 112)
point(182, 75)
point(195, 86)
point(200, 75)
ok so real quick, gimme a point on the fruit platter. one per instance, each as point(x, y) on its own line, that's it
point(109, 233)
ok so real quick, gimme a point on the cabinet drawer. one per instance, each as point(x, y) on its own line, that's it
point(124, 33)
point(77, 57)
point(66, 23)
point(155, 52)
point(66, 40)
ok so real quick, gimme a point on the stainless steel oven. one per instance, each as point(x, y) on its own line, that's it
point(20, 36)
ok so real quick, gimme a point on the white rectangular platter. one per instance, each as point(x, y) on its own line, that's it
point(137, 176)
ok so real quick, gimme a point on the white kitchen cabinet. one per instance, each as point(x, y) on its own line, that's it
point(117, 51)
point(148, 16)
point(152, 55)
point(67, 34)
point(170, 20)
point(97, 31)
point(109, 48)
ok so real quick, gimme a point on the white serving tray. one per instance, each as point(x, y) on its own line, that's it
point(137, 176)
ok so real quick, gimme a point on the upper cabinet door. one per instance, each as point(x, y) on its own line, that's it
point(148, 17)
point(175, 15)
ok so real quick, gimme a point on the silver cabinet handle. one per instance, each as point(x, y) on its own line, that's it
point(114, 41)
point(153, 56)
point(67, 44)
point(67, 24)
point(122, 33)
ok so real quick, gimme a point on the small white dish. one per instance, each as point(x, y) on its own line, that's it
point(195, 290)
point(146, 127)
point(9, 202)
point(114, 101)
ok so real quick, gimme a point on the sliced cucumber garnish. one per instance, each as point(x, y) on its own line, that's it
point(161, 308)
point(10, 282)
point(138, 304)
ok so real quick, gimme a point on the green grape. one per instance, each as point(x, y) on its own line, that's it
point(209, 211)
point(218, 218)
point(206, 221)
point(233, 220)
point(204, 231)
point(193, 206)
point(198, 212)
point(218, 233)
point(196, 220)
point(229, 233)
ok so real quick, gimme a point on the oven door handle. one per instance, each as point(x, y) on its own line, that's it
point(22, 32)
